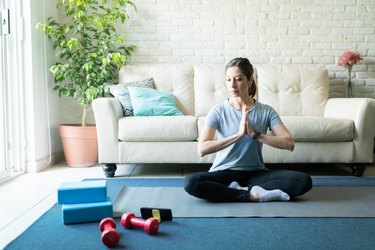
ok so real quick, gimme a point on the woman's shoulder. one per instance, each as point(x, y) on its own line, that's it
point(221, 106)
point(263, 105)
point(219, 109)
point(266, 109)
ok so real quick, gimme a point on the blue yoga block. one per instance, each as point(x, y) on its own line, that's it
point(82, 192)
point(86, 212)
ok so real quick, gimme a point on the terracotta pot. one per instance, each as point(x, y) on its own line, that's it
point(80, 145)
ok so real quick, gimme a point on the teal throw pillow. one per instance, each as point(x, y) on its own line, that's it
point(120, 91)
point(151, 102)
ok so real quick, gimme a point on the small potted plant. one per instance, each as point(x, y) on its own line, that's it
point(89, 52)
point(348, 59)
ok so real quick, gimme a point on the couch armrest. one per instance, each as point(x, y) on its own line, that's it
point(107, 112)
point(362, 112)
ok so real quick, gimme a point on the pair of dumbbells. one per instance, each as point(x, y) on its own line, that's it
point(111, 237)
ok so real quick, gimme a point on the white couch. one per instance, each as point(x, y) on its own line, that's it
point(325, 130)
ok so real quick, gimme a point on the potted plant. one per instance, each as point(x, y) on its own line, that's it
point(89, 52)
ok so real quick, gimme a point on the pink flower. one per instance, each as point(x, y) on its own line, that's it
point(349, 58)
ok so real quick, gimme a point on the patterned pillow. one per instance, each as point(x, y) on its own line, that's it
point(121, 92)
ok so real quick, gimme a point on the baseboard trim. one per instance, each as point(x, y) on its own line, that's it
point(44, 163)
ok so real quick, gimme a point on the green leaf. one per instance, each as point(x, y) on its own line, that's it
point(72, 43)
point(57, 87)
point(105, 61)
point(55, 68)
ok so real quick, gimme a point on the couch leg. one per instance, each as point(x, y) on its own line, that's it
point(358, 169)
point(109, 169)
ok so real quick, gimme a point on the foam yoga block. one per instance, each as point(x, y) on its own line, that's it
point(82, 192)
point(86, 212)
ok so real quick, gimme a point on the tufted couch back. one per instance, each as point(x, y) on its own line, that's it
point(293, 89)
point(174, 78)
point(289, 89)
point(209, 86)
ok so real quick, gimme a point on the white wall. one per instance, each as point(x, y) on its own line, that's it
point(43, 107)
point(265, 31)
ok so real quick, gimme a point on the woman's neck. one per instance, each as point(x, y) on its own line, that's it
point(238, 102)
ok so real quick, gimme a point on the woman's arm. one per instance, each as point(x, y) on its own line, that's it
point(281, 139)
point(207, 143)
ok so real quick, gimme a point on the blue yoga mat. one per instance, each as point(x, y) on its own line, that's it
point(330, 197)
point(115, 184)
point(209, 233)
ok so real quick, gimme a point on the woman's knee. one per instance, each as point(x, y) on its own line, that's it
point(305, 183)
point(308, 182)
point(190, 183)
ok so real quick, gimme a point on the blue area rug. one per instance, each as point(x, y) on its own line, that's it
point(210, 233)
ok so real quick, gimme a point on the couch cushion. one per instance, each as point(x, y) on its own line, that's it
point(292, 89)
point(312, 128)
point(174, 78)
point(201, 123)
point(158, 128)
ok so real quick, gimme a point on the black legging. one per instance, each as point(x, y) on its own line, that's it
point(213, 186)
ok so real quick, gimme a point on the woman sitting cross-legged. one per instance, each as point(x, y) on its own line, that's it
point(238, 173)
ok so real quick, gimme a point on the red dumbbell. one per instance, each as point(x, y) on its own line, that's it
point(110, 236)
point(151, 225)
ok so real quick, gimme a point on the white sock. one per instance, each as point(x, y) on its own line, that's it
point(270, 195)
point(236, 185)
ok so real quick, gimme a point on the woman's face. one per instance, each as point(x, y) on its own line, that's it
point(237, 83)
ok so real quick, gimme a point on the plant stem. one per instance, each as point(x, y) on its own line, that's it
point(84, 113)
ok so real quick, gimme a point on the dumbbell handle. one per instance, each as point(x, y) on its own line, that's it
point(151, 225)
point(108, 226)
point(137, 222)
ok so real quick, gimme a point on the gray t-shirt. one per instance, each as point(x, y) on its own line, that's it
point(245, 154)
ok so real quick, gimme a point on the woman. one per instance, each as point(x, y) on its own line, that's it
point(238, 173)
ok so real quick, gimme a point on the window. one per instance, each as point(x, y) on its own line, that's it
point(12, 148)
